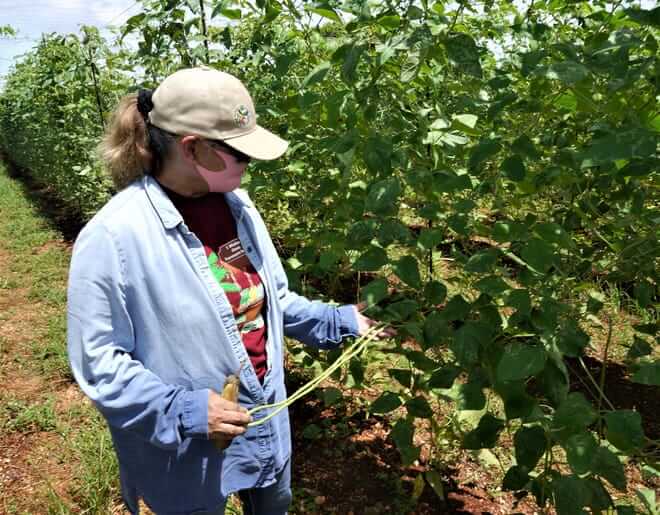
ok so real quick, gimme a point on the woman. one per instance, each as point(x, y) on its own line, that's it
point(174, 285)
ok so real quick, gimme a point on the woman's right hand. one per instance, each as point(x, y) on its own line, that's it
point(226, 419)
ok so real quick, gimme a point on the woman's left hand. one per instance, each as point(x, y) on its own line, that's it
point(365, 323)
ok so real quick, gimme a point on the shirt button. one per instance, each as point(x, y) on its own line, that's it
point(249, 249)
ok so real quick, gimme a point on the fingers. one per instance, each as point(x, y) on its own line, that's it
point(223, 431)
point(235, 417)
point(365, 323)
point(226, 419)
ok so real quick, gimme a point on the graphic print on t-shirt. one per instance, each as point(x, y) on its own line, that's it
point(241, 284)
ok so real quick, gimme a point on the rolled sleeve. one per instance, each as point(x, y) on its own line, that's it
point(195, 416)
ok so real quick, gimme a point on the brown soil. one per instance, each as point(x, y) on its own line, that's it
point(620, 390)
point(354, 467)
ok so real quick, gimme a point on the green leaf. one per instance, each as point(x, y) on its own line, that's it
point(465, 123)
point(312, 432)
point(402, 434)
point(328, 258)
point(434, 479)
point(470, 396)
point(568, 72)
point(517, 402)
point(520, 361)
point(331, 395)
point(514, 168)
point(639, 348)
point(391, 22)
point(387, 402)
point(482, 262)
point(430, 238)
point(317, 74)
point(351, 60)
point(515, 478)
point(644, 16)
point(580, 452)
point(325, 12)
point(572, 340)
point(402, 375)
point(643, 292)
point(485, 435)
point(608, 466)
point(383, 196)
point(462, 52)
point(621, 145)
point(468, 341)
point(492, 285)
point(485, 149)
point(520, 300)
point(554, 381)
point(377, 155)
point(444, 377)
point(538, 254)
point(571, 495)
point(413, 63)
point(553, 233)
point(624, 430)
point(531, 444)
point(525, 146)
point(232, 14)
point(574, 414)
point(374, 292)
point(600, 498)
point(456, 309)
point(435, 292)
point(403, 309)
point(648, 496)
point(407, 270)
point(648, 373)
point(435, 329)
point(371, 260)
point(419, 407)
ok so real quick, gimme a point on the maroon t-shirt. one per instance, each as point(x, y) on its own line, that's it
point(210, 218)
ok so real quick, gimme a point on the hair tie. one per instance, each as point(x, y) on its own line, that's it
point(144, 102)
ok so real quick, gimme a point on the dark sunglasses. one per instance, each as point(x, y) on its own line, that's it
point(223, 147)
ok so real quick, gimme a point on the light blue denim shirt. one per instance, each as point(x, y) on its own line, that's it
point(150, 332)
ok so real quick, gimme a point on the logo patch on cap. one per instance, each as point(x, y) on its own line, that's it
point(241, 116)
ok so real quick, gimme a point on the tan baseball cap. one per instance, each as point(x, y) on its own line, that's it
point(215, 105)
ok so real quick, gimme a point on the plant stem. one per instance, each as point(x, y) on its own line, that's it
point(603, 369)
point(204, 31)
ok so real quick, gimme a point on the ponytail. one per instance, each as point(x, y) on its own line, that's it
point(132, 146)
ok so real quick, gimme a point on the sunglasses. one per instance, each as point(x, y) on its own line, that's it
point(223, 147)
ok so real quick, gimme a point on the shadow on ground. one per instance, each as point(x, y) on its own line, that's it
point(59, 217)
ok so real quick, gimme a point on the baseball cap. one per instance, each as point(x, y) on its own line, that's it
point(215, 105)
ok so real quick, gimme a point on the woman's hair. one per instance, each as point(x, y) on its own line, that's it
point(132, 146)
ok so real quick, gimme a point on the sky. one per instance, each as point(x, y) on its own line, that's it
point(31, 18)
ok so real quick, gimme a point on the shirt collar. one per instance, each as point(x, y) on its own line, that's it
point(169, 214)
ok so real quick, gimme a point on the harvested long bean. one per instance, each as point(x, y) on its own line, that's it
point(349, 354)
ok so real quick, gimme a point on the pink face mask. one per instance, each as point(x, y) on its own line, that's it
point(222, 180)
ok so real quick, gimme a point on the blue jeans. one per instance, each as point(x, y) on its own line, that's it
point(271, 500)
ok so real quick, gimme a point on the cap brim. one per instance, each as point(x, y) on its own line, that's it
point(259, 144)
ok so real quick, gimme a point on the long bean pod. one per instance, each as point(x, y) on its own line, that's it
point(349, 354)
